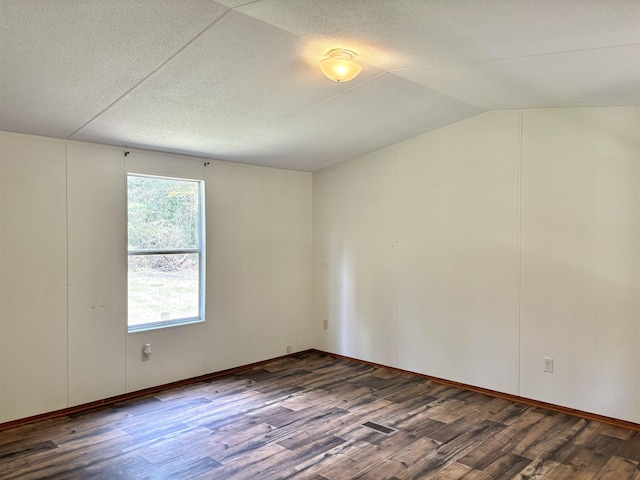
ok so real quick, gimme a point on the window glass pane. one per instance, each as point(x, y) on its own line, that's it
point(163, 213)
point(163, 288)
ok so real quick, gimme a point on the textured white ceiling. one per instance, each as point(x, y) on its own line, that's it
point(606, 76)
point(238, 80)
point(62, 62)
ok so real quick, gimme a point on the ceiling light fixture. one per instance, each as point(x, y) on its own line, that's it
point(338, 64)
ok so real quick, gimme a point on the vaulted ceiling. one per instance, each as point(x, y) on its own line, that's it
point(239, 80)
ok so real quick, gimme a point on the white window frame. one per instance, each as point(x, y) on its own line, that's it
point(200, 250)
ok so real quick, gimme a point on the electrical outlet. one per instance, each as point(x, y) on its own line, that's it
point(548, 364)
point(325, 324)
point(146, 352)
point(288, 348)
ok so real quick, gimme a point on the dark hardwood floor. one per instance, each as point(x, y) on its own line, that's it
point(302, 418)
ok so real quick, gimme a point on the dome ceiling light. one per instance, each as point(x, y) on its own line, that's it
point(339, 65)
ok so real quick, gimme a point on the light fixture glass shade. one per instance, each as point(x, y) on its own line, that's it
point(339, 65)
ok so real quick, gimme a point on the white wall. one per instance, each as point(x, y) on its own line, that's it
point(355, 258)
point(458, 257)
point(517, 238)
point(97, 242)
point(33, 277)
point(581, 258)
point(468, 253)
point(258, 264)
point(258, 260)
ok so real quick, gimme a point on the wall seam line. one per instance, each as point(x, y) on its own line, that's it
point(397, 256)
point(519, 255)
point(125, 326)
point(66, 213)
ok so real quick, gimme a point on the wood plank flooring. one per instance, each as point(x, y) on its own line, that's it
point(302, 418)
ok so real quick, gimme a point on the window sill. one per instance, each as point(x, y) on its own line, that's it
point(161, 325)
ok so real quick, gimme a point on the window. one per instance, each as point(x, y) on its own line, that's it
point(166, 252)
